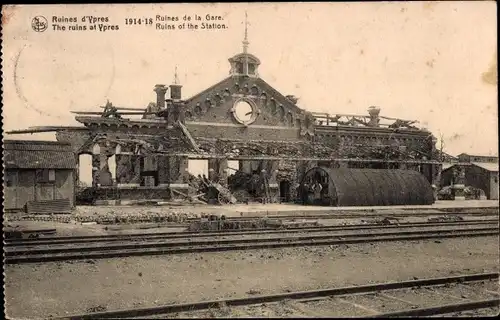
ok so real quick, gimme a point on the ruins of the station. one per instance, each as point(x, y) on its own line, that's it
point(241, 118)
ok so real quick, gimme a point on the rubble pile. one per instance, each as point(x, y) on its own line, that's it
point(290, 149)
point(303, 223)
point(287, 171)
point(50, 218)
point(381, 220)
point(447, 218)
point(246, 187)
point(113, 218)
point(219, 223)
point(387, 152)
point(243, 196)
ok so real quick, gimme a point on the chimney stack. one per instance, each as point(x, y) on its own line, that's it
point(374, 116)
point(175, 88)
point(175, 91)
point(160, 90)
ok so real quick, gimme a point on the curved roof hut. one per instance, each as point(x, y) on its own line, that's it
point(365, 187)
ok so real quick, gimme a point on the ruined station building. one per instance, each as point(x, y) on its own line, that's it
point(241, 118)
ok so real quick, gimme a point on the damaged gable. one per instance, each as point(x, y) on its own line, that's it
point(271, 108)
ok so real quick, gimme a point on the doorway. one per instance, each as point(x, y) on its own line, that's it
point(285, 195)
point(149, 179)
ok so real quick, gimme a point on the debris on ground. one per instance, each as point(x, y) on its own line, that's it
point(447, 218)
point(112, 217)
point(18, 232)
point(252, 291)
point(97, 308)
point(385, 220)
point(219, 223)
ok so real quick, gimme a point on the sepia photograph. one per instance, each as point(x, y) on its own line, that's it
point(250, 160)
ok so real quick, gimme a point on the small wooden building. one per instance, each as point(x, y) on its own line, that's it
point(39, 175)
point(480, 175)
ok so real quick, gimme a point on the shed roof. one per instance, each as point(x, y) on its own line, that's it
point(489, 166)
point(28, 154)
point(478, 155)
point(447, 165)
point(33, 145)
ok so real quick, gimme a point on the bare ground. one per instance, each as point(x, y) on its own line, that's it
point(58, 289)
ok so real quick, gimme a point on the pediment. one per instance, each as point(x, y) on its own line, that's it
point(216, 105)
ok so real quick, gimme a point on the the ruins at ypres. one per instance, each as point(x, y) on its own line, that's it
point(276, 143)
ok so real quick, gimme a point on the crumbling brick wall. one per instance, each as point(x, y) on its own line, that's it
point(78, 139)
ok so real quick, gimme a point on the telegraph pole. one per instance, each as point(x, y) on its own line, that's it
point(441, 148)
point(441, 159)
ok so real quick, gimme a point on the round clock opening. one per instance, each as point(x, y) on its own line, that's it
point(243, 112)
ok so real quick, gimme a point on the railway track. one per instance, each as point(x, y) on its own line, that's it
point(423, 297)
point(226, 233)
point(65, 252)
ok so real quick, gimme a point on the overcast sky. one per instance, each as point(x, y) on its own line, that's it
point(435, 63)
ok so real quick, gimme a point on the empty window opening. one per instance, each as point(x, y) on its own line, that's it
point(149, 172)
point(233, 166)
point(45, 175)
point(112, 167)
point(85, 169)
point(10, 178)
point(96, 149)
point(198, 167)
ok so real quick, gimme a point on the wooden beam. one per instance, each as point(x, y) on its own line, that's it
point(135, 113)
point(122, 108)
point(329, 116)
point(86, 112)
point(120, 113)
point(191, 198)
point(389, 118)
point(188, 136)
point(46, 129)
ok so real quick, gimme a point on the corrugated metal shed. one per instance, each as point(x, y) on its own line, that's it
point(27, 154)
point(374, 187)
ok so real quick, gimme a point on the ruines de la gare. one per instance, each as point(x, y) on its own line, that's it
point(195, 22)
point(90, 23)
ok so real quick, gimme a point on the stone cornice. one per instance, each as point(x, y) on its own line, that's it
point(123, 123)
point(371, 131)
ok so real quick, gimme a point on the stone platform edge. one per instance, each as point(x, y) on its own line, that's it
point(347, 210)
